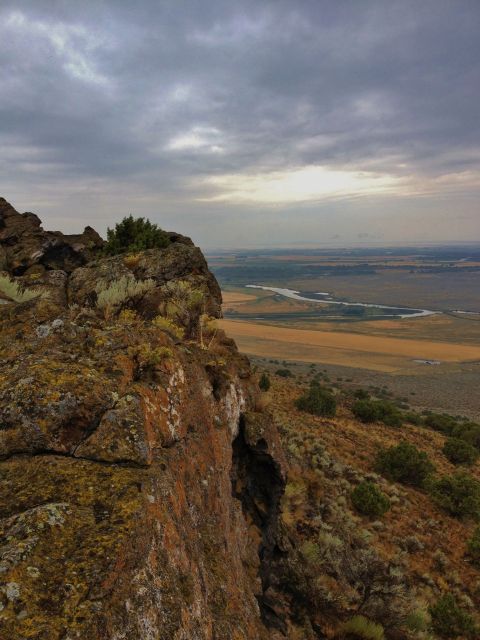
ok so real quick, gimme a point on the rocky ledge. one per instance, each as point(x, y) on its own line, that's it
point(139, 485)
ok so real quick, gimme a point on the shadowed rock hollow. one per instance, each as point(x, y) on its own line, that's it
point(139, 495)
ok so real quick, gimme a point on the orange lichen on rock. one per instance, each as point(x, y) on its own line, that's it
point(117, 516)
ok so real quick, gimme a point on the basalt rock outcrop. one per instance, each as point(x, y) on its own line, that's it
point(25, 246)
point(139, 486)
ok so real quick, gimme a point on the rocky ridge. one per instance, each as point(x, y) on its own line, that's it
point(139, 493)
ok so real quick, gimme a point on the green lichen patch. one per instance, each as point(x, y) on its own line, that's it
point(62, 527)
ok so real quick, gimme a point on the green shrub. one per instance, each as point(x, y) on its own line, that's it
point(362, 628)
point(392, 416)
point(458, 495)
point(128, 317)
point(460, 452)
point(369, 500)
point(158, 355)
point(473, 547)
point(441, 422)
point(318, 401)
point(404, 463)
point(413, 418)
point(368, 410)
point(361, 394)
point(146, 358)
point(185, 306)
point(264, 382)
point(310, 552)
point(134, 234)
point(284, 373)
point(449, 620)
point(167, 325)
point(417, 621)
point(469, 432)
point(16, 292)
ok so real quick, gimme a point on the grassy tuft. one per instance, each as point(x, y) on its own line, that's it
point(362, 628)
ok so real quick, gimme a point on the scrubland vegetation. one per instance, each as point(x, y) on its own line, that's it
point(182, 312)
point(384, 510)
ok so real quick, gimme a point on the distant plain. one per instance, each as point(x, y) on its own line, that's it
point(436, 354)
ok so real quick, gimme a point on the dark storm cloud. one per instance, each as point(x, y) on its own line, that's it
point(151, 99)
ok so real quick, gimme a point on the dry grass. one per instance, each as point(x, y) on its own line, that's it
point(440, 328)
point(379, 353)
point(233, 299)
point(270, 303)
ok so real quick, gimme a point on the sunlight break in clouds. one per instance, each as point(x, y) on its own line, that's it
point(198, 139)
point(298, 185)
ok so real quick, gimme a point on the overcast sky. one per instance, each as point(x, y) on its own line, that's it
point(245, 123)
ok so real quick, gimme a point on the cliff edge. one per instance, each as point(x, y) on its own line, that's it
point(139, 485)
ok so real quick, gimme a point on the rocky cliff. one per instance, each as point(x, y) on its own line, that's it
point(139, 484)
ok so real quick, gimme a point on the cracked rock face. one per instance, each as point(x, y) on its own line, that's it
point(127, 487)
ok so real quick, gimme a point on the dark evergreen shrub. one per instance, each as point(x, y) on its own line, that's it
point(404, 463)
point(469, 432)
point(473, 547)
point(369, 500)
point(361, 394)
point(366, 410)
point(134, 234)
point(284, 373)
point(264, 382)
point(458, 495)
point(391, 416)
point(377, 411)
point(460, 452)
point(441, 422)
point(317, 401)
point(413, 418)
point(450, 621)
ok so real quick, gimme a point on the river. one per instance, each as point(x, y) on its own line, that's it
point(327, 299)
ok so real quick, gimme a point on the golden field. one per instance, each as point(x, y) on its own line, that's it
point(376, 352)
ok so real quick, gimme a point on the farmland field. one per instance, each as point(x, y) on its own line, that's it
point(353, 349)
point(355, 325)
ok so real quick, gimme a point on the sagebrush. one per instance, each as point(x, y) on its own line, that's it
point(16, 292)
point(114, 294)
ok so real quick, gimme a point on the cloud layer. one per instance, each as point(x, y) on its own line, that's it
point(248, 122)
